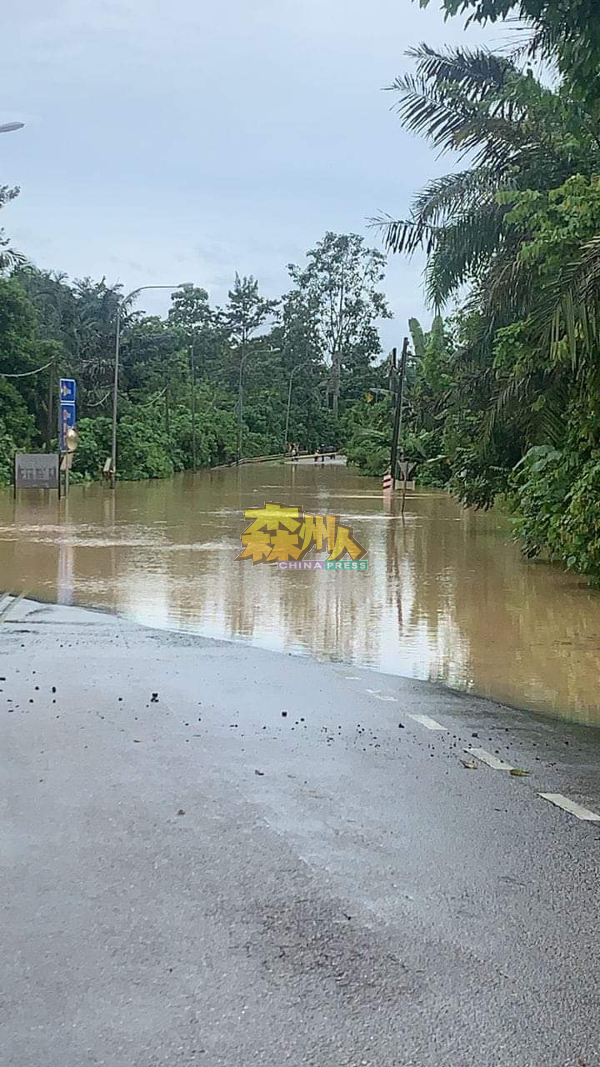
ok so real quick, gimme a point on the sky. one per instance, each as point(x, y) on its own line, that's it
point(172, 141)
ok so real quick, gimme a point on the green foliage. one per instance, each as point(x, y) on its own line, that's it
point(247, 311)
point(17, 428)
point(507, 390)
point(558, 495)
point(521, 135)
point(8, 256)
point(340, 287)
point(180, 377)
point(367, 424)
point(366, 430)
point(567, 31)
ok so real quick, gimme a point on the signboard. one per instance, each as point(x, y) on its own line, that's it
point(36, 470)
point(66, 423)
point(67, 414)
point(406, 468)
point(67, 391)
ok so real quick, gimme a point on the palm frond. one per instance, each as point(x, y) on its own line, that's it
point(462, 248)
point(439, 201)
point(456, 192)
point(403, 235)
point(455, 124)
point(10, 259)
point(478, 72)
point(569, 305)
point(508, 395)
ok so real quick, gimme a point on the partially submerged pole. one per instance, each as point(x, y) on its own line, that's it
point(398, 412)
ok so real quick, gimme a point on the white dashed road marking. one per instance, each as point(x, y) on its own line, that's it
point(569, 805)
point(492, 761)
point(429, 724)
point(381, 696)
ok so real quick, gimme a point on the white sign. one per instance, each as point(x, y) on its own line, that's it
point(36, 470)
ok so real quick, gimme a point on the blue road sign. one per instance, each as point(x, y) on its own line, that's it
point(67, 391)
point(66, 421)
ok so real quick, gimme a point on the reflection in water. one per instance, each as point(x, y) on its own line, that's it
point(447, 596)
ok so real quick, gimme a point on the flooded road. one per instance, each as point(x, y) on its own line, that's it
point(447, 596)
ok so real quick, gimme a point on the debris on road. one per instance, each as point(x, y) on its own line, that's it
point(469, 764)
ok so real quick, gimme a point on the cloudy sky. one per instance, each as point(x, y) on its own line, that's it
point(182, 140)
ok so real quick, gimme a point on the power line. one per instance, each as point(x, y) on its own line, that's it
point(96, 403)
point(27, 373)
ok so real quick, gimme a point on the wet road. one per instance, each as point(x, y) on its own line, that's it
point(278, 860)
point(447, 596)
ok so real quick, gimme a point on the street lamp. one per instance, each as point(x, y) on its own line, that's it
point(289, 399)
point(134, 292)
point(7, 127)
point(248, 352)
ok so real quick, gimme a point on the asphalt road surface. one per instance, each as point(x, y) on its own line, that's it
point(217, 855)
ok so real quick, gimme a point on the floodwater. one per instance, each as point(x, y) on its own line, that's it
point(447, 596)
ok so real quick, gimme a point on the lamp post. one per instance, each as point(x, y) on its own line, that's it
point(134, 292)
point(289, 400)
point(193, 370)
point(399, 411)
point(8, 127)
point(267, 351)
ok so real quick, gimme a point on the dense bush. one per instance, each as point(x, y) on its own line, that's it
point(558, 494)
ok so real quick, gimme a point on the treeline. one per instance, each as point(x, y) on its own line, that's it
point(298, 363)
point(508, 387)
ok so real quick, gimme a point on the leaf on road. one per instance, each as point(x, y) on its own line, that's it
point(469, 764)
point(519, 772)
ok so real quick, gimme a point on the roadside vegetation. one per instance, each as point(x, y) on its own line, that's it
point(507, 387)
point(321, 335)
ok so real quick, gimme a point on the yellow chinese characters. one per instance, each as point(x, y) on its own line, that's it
point(279, 534)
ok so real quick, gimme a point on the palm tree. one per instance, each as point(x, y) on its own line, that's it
point(517, 134)
point(9, 257)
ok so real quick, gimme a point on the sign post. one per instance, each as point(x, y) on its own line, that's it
point(67, 417)
point(36, 470)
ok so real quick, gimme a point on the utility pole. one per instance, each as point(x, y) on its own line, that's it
point(50, 404)
point(294, 370)
point(193, 372)
point(246, 352)
point(115, 400)
point(241, 404)
point(167, 418)
point(399, 410)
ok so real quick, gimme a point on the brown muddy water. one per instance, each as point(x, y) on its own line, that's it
point(447, 596)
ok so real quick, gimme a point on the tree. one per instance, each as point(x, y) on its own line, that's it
point(203, 328)
point(519, 135)
point(565, 30)
point(8, 256)
point(190, 309)
point(340, 285)
point(21, 399)
point(247, 311)
point(304, 371)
